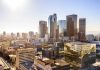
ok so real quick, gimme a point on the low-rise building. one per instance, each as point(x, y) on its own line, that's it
point(49, 64)
point(82, 54)
point(24, 58)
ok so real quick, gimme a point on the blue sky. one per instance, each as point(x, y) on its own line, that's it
point(24, 15)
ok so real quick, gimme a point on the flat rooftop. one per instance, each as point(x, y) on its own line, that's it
point(80, 43)
point(58, 62)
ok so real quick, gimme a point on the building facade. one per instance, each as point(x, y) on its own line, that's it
point(24, 58)
point(70, 28)
point(62, 27)
point(83, 54)
point(43, 28)
point(74, 19)
point(52, 23)
point(82, 29)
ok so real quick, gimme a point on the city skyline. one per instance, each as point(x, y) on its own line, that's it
point(24, 15)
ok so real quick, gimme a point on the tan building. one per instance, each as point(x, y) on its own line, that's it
point(70, 28)
point(49, 64)
point(42, 28)
point(80, 54)
point(74, 19)
point(82, 29)
point(24, 58)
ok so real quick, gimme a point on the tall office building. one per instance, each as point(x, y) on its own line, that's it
point(4, 33)
point(70, 28)
point(43, 28)
point(62, 27)
point(31, 34)
point(82, 29)
point(52, 23)
point(18, 34)
point(24, 35)
point(13, 36)
point(74, 19)
point(57, 33)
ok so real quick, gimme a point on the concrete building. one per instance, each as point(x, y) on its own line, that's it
point(24, 36)
point(82, 29)
point(74, 19)
point(80, 54)
point(24, 58)
point(90, 37)
point(31, 34)
point(70, 28)
point(49, 64)
point(50, 51)
point(52, 24)
point(57, 33)
point(4, 34)
point(13, 36)
point(97, 37)
point(42, 28)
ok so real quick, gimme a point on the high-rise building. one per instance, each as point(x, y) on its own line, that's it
point(82, 29)
point(24, 35)
point(74, 19)
point(57, 33)
point(31, 34)
point(13, 36)
point(18, 34)
point(52, 23)
point(62, 27)
point(70, 28)
point(4, 33)
point(43, 28)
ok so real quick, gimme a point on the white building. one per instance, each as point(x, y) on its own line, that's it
point(90, 37)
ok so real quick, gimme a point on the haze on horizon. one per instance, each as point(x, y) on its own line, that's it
point(24, 15)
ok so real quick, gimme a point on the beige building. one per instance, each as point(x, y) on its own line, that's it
point(83, 54)
point(74, 19)
point(49, 64)
point(42, 28)
point(70, 28)
point(82, 29)
point(24, 58)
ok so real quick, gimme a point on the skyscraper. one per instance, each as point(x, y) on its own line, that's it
point(74, 19)
point(70, 27)
point(24, 36)
point(52, 23)
point(82, 29)
point(31, 36)
point(18, 35)
point(57, 33)
point(62, 27)
point(43, 28)
point(4, 33)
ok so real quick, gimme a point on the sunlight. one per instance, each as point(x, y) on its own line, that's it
point(14, 5)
